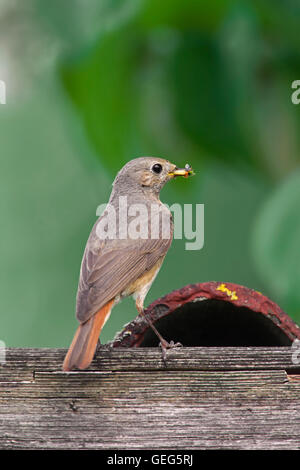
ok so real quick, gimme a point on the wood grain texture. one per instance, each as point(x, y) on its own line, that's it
point(206, 398)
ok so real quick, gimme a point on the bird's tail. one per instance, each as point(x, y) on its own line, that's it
point(83, 346)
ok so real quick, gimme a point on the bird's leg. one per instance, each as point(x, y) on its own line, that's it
point(163, 343)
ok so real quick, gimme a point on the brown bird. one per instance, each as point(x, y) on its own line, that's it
point(124, 252)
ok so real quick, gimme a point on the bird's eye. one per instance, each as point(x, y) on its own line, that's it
point(157, 168)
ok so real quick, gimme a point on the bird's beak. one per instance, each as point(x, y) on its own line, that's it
point(187, 171)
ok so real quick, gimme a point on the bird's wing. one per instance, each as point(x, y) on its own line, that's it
point(112, 268)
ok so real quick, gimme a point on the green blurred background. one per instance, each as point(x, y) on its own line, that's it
point(92, 84)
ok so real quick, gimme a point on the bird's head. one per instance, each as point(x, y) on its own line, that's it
point(147, 174)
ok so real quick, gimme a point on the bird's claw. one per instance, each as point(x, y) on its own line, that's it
point(164, 345)
point(174, 345)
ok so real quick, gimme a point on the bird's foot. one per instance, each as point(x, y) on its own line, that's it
point(164, 345)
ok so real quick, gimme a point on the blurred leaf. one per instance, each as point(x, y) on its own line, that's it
point(204, 98)
point(102, 87)
point(276, 244)
point(187, 78)
point(80, 25)
point(189, 15)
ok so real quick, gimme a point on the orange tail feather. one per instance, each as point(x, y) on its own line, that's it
point(83, 346)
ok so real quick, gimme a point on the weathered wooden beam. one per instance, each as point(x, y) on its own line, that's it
point(238, 398)
point(196, 358)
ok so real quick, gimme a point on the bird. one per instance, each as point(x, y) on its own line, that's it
point(124, 252)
